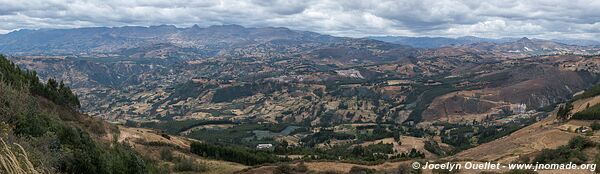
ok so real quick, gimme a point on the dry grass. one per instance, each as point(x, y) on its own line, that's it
point(583, 104)
point(15, 160)
point(528, 140)
point(136, 137)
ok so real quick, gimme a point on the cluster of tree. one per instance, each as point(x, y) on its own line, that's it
point(176, 126)
point(89, 157)
point(182, 164)
point(592, 92)
point(188, 89)
point(434, 148)
point(424, 96)
point(591, 113)
point(240, 134)
point(373, 149)
point(326, 117)
point(458, 137)
point(323, 136)
point(55, 91)
point(564, 111)
point(233, 153)
point(228, 94)
point(461, 136)
point(413, 153)
point(379, 132)
point(416, 132)
point(374, 153)
point(362, 92)
point(572, 152)
point(490, 133)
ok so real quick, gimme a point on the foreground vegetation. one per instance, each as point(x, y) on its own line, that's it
point(40, 117)
point(572, 152)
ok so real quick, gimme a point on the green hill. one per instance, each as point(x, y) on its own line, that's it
point(43, 133)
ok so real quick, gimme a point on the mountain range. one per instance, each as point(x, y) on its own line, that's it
point(207, 41)
point(104, 39)
point(227, 92)
point(436, 42)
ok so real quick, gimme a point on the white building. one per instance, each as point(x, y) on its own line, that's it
point(518, 108)
point(264, 146)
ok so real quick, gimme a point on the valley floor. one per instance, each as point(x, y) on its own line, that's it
point(529, 141)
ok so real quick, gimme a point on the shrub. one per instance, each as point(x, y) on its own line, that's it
point(188, 165)
point(166, 154)
point(360, 170)
point(283, 169)
point(572, 152)
point(579, 143)
point(595, 125)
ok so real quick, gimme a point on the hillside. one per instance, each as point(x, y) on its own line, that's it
point(43, 133)
point(545, 138)
point(435, 42)
point(546, 141)
point(56, 137)
point(529, 87)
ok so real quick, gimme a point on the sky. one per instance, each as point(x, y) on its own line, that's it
point(577, 19)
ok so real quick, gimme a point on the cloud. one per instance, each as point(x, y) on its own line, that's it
point(357, 18)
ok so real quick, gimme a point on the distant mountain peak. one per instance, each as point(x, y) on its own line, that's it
point(195, 27)
point(524, 39)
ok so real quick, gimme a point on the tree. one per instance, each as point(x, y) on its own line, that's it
point(52, 84)
point(358, 151)
point(564, 110)
point(397, 136)
point(595, 125)
point(52, 90)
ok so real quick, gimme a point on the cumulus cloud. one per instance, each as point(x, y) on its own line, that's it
point(356, 18)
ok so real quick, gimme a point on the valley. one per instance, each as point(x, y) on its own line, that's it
point(255, 100)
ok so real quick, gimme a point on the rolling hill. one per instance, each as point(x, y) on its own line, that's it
point(42, 132)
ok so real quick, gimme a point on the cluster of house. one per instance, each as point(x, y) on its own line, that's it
point(575, 128)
